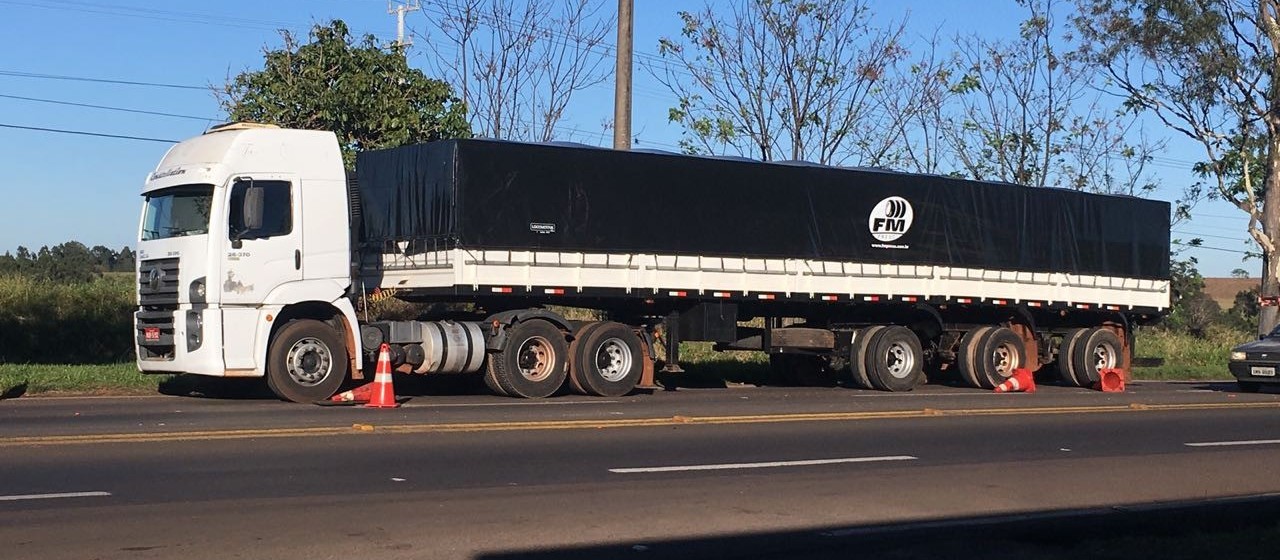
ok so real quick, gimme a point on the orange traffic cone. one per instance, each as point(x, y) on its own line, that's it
point(1020, 381)
point(383, 394)
point(1111, 381)
point(360, 394)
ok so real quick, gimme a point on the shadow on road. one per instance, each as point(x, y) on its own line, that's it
point(1245, 527)
point(1229, 387)
point(15, 391)
point(202, 386)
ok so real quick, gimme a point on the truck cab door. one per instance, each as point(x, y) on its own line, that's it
point(264, 238)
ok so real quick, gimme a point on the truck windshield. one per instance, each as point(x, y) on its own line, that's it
point(177, 212)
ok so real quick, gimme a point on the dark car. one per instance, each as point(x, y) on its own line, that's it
point(1254, 363)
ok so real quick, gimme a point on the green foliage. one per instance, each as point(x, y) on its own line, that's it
point(83, 322)
point(367, 95)
point(66, 262)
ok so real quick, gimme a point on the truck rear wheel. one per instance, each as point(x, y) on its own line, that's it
point(894, 359)
point(1097, 349)
point(607, 360)
point(858, 356)
point(307, 361)
point(999, 353)
point(531, 364)
point(968, 357)
point(1066, 357)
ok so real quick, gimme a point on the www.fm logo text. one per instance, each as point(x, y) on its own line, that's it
point(890, 219)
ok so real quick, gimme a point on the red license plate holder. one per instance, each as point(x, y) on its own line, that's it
point(151, 333)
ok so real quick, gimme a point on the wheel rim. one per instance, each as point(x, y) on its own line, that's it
point(613, 360)
point(899, 360)
point(1104, 356)
point(309, 361)
point(1004, 358)
point(536, 358)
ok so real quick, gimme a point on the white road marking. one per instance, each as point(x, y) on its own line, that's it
point(532, 403)
point(1233, 443)
point(766, 465)
point(19, 497)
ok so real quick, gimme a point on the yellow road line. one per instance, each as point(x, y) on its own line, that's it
point(613, 423)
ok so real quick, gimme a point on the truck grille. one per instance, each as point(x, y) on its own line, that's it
point(158, 282)
point(157, 305)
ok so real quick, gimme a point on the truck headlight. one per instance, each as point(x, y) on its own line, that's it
point(1237, 356)
point(197, 290)
point(195, 330)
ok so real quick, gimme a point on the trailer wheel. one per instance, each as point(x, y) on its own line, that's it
point(307, 361)
point(532, 362)
point(1097, 349)
point(967, 355)
point(858, 355)
point(574, 360)
point(1066, 360)
point(999, 353)
point(894, 359)
point(608, 360)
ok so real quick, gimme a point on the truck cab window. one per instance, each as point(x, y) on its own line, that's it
point(277, 210)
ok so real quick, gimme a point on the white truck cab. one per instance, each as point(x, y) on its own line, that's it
point(245, 228)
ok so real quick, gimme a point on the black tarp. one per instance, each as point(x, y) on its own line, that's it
point(503, 195)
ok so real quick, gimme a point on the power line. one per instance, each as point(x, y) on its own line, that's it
point(16, 74)
point(84, 133)
point(108, 108)
point(1191, 246)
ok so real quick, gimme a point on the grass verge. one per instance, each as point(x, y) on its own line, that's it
point(34, 379)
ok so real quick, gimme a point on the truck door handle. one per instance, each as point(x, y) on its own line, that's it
point(297, 259)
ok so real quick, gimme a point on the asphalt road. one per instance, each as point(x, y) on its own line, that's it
point(772, 473)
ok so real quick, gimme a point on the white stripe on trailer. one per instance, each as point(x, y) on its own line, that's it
point(54, 496)
point(1238, 443)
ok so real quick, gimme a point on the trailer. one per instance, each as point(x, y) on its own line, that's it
point(256, 248)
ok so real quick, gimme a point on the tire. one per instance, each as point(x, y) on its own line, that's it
point(491, 378)
point(997, 355)
point(858, 357)
point(307, 361)
point(1066, 364)
point(967, 355)
point(532, 363)
point(1249, 386)
point(573, 356)
point(1097, 349)
point(608, 360)
point(894, 360)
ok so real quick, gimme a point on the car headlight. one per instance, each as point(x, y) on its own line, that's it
point(1237, 356)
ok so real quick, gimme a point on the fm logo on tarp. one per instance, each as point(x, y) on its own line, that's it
point(890, 219)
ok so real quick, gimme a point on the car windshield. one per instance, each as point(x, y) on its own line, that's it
point(177, 212)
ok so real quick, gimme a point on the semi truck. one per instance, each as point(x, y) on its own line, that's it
point(258, 252)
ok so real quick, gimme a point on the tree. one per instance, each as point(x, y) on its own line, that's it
point(1239, 273)
point(1210, 70)
point(520, 63)
point(787, 79)
point(1028, 111)
point(367, 95)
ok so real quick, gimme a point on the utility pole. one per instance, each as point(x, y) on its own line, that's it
point(399, 10)
point(622, 80)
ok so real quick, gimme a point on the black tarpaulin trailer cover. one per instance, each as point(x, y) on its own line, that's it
point(482, 194)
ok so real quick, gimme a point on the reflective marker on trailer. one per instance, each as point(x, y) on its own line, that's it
point(964, 300)
point(830, 298)
point(1000, 301)
point(722, 294)
point(1034, 304)
point(911, 299)
point(678, 294)
point(870, 298)
point(501, 290)
point(554, 291)
point(767, 296)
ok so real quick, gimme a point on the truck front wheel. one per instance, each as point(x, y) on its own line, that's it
point(307, 361)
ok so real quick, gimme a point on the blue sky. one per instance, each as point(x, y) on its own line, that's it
point(58, 187)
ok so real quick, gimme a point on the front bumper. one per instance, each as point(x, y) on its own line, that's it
point(1243, 371)
point(175, 350)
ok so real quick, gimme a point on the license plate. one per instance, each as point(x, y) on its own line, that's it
point(153, 333)
point(1258, 371)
